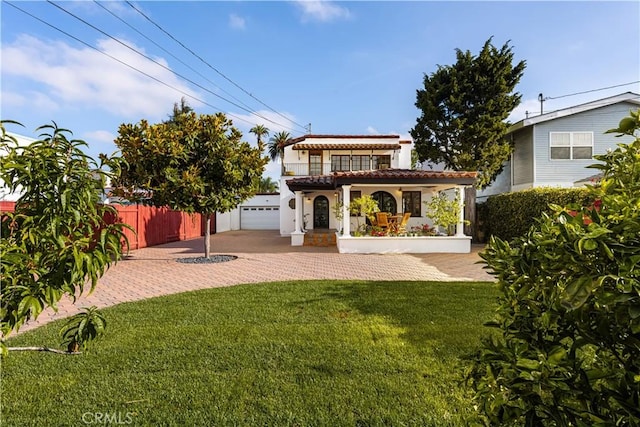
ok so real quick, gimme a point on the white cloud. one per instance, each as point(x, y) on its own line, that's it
point(237, 22)
point(31, 99)
point(372, 131)
point(85, 78)
point(101, 136)
point(321, 10)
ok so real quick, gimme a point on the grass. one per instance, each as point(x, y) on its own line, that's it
point(315, 353)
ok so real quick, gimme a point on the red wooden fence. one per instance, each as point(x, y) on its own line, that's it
point(154, 226)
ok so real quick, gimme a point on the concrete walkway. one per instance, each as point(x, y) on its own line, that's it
point(263, 256)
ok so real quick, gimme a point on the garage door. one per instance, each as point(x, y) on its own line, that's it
point(260, 218)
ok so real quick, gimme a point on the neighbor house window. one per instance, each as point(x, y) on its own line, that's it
point(412, 202)
point(361, 163)
point(355, 195)
point(381, 162)
point(339, 163)
point(571, 145)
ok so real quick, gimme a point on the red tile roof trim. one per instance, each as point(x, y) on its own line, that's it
point(405, 176)
point(312, 136)
point(363, 146)
point(405, 173)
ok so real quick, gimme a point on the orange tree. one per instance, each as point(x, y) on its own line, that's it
point(59, 238)
point(192, 163)
point(568, 348)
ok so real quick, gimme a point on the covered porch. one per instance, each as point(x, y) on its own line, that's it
point(396, 191)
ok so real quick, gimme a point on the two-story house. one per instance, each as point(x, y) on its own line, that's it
point(325, 171)
point(554, 149)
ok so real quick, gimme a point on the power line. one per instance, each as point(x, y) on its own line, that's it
point(124, 63)
point(208, 64)
point(166, 51)
point(590, 91)
point(165, 67)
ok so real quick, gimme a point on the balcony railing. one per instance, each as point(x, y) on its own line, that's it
point(302, 169)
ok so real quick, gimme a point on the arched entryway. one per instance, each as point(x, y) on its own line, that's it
point(320, 212)
point(386, 201)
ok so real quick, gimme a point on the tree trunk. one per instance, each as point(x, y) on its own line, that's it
point(207, 237)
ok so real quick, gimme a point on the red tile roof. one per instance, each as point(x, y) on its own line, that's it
point(361, 146)
point(405, 173)
point(382, 176)
point(304, 137)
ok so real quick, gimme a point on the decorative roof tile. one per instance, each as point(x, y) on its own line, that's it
point(382, 176)
point(361, 146)
point(305, 137)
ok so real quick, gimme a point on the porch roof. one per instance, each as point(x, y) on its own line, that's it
point(347, 146)
point(382, 176)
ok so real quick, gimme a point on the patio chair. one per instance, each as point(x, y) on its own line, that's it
point(383, 220)
point(402, 227)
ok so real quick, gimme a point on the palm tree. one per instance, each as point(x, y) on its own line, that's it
point(267, 185)
point(276, 147)
point(259, 131)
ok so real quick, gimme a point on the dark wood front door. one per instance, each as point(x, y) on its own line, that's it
point(320, 212)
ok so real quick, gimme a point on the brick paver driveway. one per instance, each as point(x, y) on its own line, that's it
point(263, 256)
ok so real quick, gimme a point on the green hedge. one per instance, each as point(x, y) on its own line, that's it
point(511, 215)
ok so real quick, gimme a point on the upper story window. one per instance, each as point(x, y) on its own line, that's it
point(361, 162)
point(381, 162)
point(339, 162)
point(315, 162)
point(412, 202)
point(571, 145)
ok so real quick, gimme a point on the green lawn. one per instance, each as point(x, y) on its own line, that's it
point(313, 353)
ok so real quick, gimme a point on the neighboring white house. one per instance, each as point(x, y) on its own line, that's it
point(261, 212)
point(325, 171)
point(554, 149)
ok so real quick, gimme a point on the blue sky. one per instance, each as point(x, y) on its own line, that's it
point(345, 67)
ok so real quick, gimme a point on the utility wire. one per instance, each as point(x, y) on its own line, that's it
point(209, 65)
point(165, 67)
point(166, 51)
point(124, 63)
point(592, 90)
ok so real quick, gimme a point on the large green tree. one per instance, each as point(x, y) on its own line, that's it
point(60, 238)
point(464, 111)
point(192, 163)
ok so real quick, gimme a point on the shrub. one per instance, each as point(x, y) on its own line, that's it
point(443, 211)
point(511, 215)
point(568, 352)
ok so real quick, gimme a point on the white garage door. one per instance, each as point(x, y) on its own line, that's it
point(260, 218)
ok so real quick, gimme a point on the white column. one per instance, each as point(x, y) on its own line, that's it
point(297, 236)
point(346, 218)
point(460, 225)
point(299, 211)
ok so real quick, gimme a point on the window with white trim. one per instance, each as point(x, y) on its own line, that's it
point(571, 145)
